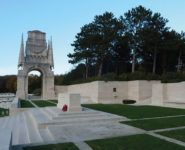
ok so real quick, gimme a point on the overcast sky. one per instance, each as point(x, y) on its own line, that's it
point(62, 20)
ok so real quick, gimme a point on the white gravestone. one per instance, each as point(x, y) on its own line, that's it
point(71, 100)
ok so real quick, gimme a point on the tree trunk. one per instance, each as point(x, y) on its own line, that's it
point(155, 59)
point(164, 61)
point(100, 69)
point(179, 62)
point(87, 68)
point(133, 60)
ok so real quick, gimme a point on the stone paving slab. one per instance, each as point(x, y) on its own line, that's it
point(157, 117)
point(84, 132)
point(167, 129)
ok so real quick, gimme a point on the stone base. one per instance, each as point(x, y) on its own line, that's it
point(71, 109)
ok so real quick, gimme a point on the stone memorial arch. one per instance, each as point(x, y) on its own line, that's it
point(37, 56)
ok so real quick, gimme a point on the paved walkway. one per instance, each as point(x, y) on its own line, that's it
point(83, 146)
point(75, 128)
point(167, 139)
point(157, 117)
point(34, 104)
point(51, 102)
point(168, 129)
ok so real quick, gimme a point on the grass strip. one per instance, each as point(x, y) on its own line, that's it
point(178, 134)
point(43, 103)
point(25, 104)
point(133, 142)
point(54, 101)
point(4, 112)
point(136, 112)
point(153, 124)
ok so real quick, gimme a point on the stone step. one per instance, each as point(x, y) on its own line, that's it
point(42, 120)
point(71, 115)
point(23, 131)
point(57, 112)
point(52, 110)
point(3, 122)
point(5, 139)
point(46, 135)
point(33, 132)
point(77, 116)
point(16, 130)
point(38, 116)
point(42, 125)
point(47, 113)
point(11, 122)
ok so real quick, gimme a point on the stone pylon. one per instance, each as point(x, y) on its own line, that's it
point(37, 56)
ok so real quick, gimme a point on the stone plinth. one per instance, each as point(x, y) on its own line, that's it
point(71, 100)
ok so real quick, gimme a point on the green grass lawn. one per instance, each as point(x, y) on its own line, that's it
point(25, 104)
point(63, 146)
point(175, 134)
point(54, 101)
point(162, 123)
point(4, 112)
point(133, 142)
point(43, 103)
point(135, 112)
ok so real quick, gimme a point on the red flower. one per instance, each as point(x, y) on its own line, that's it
point(64, 108)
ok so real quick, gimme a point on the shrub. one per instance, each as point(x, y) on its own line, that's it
point(152, 76)
point(109, 77)
point(123, 77)
point(129, 101)
point(172, 77)
point(137, 75)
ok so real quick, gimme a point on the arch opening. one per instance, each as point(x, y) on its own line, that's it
point(35, 84)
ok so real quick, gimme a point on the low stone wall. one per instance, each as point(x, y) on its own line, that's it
point(158, 94)
point(112, 91)
point(88, 91)
point(144, 92)
point(175, 92)
point(60, 89)
point(141, 90)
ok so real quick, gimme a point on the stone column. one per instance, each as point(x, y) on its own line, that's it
point(48, 86)
point(21, 85)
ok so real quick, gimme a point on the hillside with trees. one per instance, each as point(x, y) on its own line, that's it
point(138, 45)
